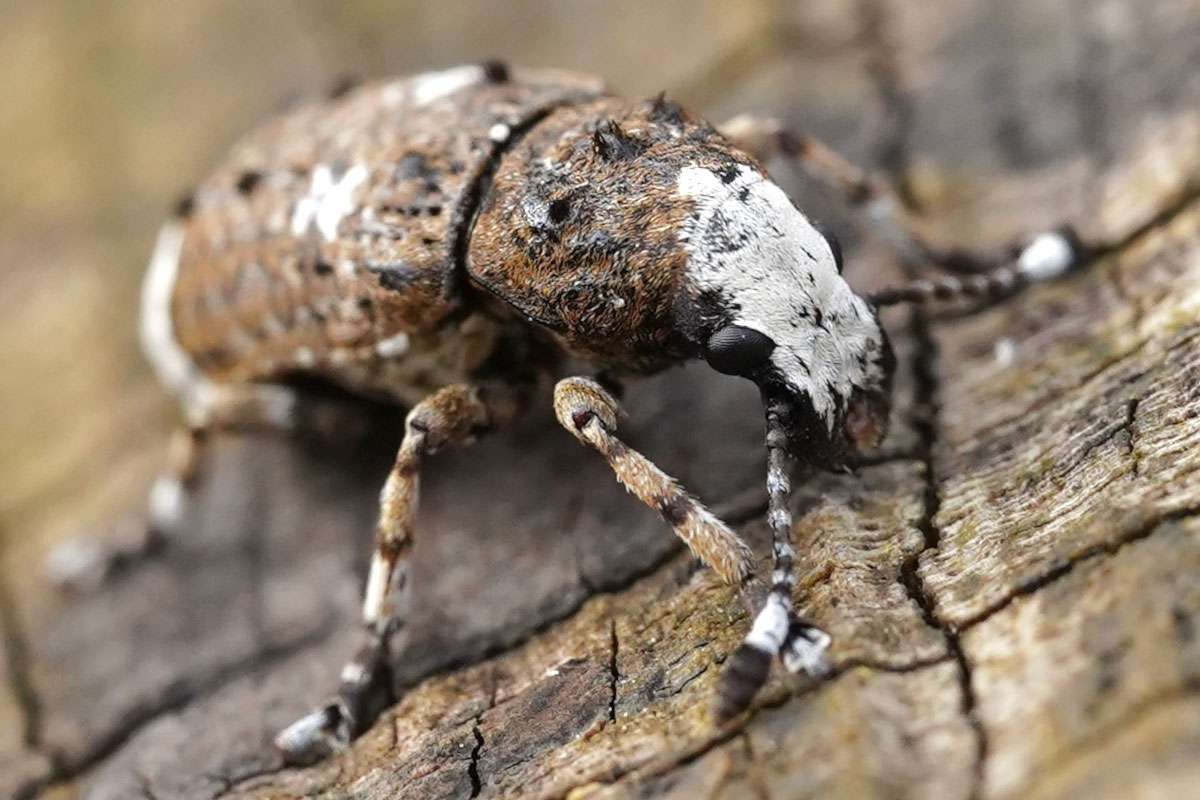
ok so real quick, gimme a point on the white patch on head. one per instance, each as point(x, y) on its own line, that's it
point(747, 242)
point(328, 201)
point(424, 89)
point(174, 368)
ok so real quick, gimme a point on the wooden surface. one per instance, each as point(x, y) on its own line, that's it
point(1013, 588)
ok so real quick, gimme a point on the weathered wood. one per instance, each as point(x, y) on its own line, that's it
point(1013, 587)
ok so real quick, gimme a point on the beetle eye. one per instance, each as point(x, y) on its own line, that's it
point(834, 244)
point(735, 350)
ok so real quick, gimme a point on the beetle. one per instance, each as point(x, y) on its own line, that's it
point(446, 241)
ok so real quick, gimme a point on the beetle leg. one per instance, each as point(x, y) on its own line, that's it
point(969, 275)
point(589, 412)
point(453, 415)
point(85, 563)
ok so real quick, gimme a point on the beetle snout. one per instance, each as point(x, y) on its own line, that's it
point(866, 421)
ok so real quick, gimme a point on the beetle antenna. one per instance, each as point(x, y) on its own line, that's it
point(776, 629)
point(1048, 256)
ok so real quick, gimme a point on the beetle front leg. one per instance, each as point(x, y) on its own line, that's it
point(453, 415)
point(589, 412)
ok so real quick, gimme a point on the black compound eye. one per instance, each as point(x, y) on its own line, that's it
point(835, 245)
point(735, 350)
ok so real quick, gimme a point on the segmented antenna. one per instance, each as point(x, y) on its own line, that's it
point(776, 630)
point(1050, 255)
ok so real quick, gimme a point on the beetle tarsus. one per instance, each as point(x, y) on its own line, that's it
point(744, 674)
point(805, 649)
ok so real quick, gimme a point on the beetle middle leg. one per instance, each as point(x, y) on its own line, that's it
point(454, 414)
point(968, 275)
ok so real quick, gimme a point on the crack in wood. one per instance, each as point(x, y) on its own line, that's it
point(473, 767)
point(614, 675)
point(1143, 529)
point(926, 424)
point(174, 700)
point(769, 698)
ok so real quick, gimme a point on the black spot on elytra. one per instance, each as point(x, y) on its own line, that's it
point(414, 166)
point(728, 173)
point(323, 267)
point(744, 194)
point(248, 181)
point(724, 234)
point(496, 71)
point(396, 277)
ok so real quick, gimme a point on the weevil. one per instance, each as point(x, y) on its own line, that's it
point(446, 241)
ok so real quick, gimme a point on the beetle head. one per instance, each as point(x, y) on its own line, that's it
point(772, 306)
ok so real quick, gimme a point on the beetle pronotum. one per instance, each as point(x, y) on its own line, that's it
point(444, 241)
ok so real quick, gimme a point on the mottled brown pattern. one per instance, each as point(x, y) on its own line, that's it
point(254, 301)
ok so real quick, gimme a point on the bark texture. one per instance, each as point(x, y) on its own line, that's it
point(1013, 585)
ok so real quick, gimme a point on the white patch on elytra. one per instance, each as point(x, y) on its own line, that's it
point(430, 86)
point(174, 368)
point(328, 201)
point(393, 346)
point(748, 243)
